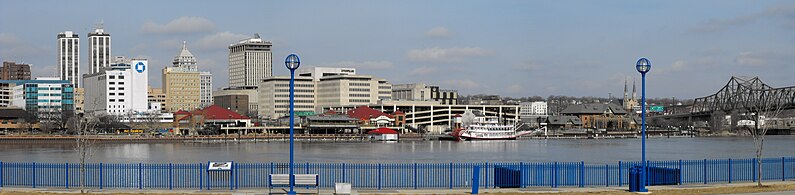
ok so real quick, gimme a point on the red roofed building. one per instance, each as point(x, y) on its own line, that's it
point(214, 115)
point(370, 118)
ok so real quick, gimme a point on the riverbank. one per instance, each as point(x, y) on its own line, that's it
point(741, 188)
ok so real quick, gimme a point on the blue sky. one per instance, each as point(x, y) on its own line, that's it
point(509, 48)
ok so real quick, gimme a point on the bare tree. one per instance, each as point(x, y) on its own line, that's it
point(83, 126)
point(758, 105)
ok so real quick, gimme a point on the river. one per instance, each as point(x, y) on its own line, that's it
point(588, 150)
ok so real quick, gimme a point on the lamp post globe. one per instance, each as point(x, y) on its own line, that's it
point(643, 66)
point(292, 61)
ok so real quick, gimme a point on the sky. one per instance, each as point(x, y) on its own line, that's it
point(508, 48)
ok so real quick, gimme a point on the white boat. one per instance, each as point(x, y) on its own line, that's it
point(489, 128)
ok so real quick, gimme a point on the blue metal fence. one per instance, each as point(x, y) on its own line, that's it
point(383, 176)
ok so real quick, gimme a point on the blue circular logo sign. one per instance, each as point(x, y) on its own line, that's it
point(140, 67)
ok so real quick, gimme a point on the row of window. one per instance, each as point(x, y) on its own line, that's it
point(359, 100)
point(360, 89)
point(296, 101)
point(121, 94)
point(114, 100)
point(296, 90)
point(296, 95)
point(359, 84)
point(114, 76)
point(358, 95)
point(296, 106)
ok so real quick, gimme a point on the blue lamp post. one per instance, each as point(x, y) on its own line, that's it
point(292, 62)
point(643, 66)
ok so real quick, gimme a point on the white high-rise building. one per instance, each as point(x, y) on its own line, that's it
point(206, 86)
point(118, 89)
point(249, 62)
point(69, 58)
point(99, 54)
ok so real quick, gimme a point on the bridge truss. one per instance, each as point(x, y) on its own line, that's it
point(745, 94)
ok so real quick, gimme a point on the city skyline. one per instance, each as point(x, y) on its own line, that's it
point(539, 48)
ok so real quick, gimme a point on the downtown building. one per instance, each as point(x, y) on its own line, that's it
point(14, 71)
point(99, 52)
point(423, 92)
point(250, 61)
point(69, 58)
point(320, 87)
point(184, 86)
point(11, 71)
point(49, 98)
point(119, 89)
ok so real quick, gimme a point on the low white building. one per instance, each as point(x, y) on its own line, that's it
point(532, 109)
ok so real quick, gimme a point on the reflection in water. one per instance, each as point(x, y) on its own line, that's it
point(589, 150)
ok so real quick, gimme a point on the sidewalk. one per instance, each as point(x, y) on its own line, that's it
point(788, 187)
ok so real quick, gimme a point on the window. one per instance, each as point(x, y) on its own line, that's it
point(121, 76)
point(121, 100)
point(121, 88)
point(112, 100)
point(111, 88)
point(112, 94)
point(111, 77)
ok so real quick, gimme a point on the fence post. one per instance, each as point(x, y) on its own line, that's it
point(170, 182)
point(475, 179)
point(582, 173)
point(415, 176)
point(607, 175)
point(34, 175)
point(730, 170)
point(681, 172)
point(100, 176)
point(451, 175)
point(753, 168)
point(782, 169)
point(705, 171)
point(232, 176)
point(1, 174)
point(379, 176)
point(201, 177)
point(521, 175)
point(67, 174)
point(140, 176)
point(486, 173)
point(620, 168)
point(343, 172)
point(555, 175)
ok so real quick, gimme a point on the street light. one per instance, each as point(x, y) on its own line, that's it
point(292, 62)
point(643, 66)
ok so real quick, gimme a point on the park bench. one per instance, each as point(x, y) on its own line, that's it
point(301, 180)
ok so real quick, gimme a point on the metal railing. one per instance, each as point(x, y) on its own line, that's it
point(382, 175)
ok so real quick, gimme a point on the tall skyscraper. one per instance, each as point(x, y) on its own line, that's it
point(99, 55)
point(249, 62)
point(69, 58)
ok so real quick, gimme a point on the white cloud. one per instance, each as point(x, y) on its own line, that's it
point(462, 84)
point(438, 32)
point(369, 65)
point(751, 59)
point(515, 88)
point(423, 70)
point(218, 40)
point(446, 55)
point(184, 24)
point(12, 48)
point(528, 66)
point(8, 39)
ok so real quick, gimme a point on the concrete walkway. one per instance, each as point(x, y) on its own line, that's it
point(530, 190)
